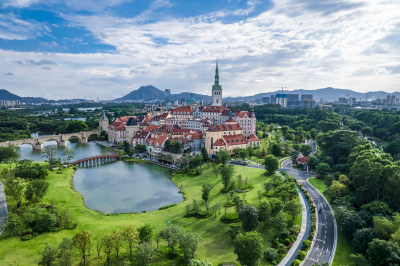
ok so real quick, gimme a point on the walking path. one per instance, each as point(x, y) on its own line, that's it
point(3, 209)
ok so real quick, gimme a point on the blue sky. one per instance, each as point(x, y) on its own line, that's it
point(105, 48)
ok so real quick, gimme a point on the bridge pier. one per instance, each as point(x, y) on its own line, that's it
point(83, 140)
point(62, 143)
point(38, 146)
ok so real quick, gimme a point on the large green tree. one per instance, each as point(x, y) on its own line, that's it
point(271, 164)
point(249, 248)
point(249, 216)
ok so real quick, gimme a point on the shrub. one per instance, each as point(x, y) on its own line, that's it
point(306, 244)
point(302, 255)
point(234, 230)
point(296, 262)
point(167, 206)
point(270, 254)
point(26, 237)
point(287, 241)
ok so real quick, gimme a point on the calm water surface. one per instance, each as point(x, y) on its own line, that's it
point(81, 150)
point(116, 187)
point(121, 187)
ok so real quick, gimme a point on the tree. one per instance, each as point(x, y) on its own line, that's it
point(243, 153)
point(294, 155)
point(382, 252)
point(73, 110)
point(366, 131)
point(36, 190)
point(204, 153)
point(223, 156)
point(172, 234)
point(131, 236)
point(234, 230)
point(49, 152)
point(323, 169)
point(14, 188)
point(144, 254)
point(250, 151)
point(264, 211)
point(117, 237)
point(76, 126)
point(305, 149)
point(336, 190)
point(69, 154)
point(65, 252)
point(145, 233)
point(188, 243)
point(205, 191)
point(14, 222)
point(249, 217)
point(384, 227)
point(268, 186)
point(361, 239)
point(271, 164)
point(82, 241)
point(49, 255)
point(226, 175)
point(249, 248)
point(280, 222)
point(9, 155)
point(294, 208)
point(271, 254)
point(108, 245)
point(312, 161)
point(276, 149)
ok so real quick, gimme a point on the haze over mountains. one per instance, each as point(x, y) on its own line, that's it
point(149, 92)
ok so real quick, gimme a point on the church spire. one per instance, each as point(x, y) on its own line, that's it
point(216, 82)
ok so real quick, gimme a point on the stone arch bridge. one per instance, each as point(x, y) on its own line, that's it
point(61, 139)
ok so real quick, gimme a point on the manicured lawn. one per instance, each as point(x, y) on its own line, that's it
point(216, 245)
point(318, 184)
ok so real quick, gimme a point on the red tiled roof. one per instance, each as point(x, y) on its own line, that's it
point(253, 138)
point(219, 142)
point(230, 119)
point(224, 127)
point(151, 128)
point(303, 160)
point(142, 135)
point(214, 109)
point(183, 109)
point(236, 139)
point(118, 126)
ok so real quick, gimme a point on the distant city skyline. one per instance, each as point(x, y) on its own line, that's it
point(88, 49)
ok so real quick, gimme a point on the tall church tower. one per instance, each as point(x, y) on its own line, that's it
point(216, 90)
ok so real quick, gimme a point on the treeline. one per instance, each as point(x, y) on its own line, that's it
point(382, 126)
point(14, 127)
point(363, 187)
point(310, 119)
point(137, 246)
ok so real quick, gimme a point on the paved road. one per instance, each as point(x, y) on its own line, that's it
point(324, 247)
point(3, 209)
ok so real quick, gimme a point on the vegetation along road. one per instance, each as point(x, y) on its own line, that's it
point(3, 208)
point(324, 245)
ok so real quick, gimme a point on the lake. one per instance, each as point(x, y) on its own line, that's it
point(116, 187)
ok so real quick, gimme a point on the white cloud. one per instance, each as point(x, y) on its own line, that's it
point(292, 45)
point(19, 3)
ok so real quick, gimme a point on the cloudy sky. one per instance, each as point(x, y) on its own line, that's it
point(62, 49)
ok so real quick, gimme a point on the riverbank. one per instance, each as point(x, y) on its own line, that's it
point(215, 245)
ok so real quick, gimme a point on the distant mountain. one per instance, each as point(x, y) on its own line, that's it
point(148, 93)
point(5, 95)
point(328, 94)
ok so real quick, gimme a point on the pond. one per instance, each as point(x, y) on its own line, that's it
point(116, 187)
point(121, 187)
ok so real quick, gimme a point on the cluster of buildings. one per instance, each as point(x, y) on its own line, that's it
point(10, 103)
point(288, 100)
point(194, 126)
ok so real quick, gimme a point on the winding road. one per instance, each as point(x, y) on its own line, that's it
point(3, 209)
point(324, 244)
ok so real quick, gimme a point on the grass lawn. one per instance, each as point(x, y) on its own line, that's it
point(343, 248)
point(215, 245)
point(318, 184)
point(343, 251)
